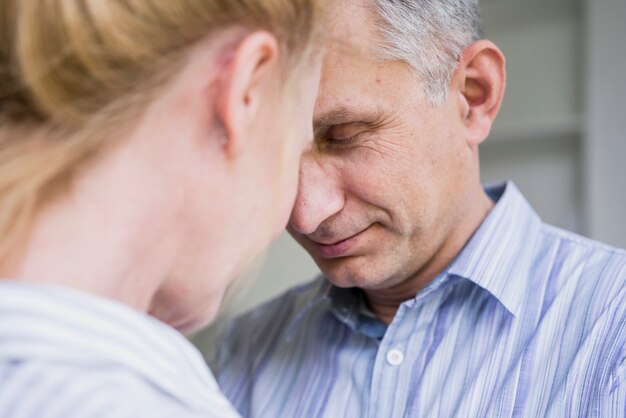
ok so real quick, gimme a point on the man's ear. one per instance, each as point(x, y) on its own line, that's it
point(480, 80)
point(245, 81)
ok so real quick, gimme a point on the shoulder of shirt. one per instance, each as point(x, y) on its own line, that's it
point(73, 392)
point(605, 267)
point(597, 261)
point(592, 248)
point(574, 238)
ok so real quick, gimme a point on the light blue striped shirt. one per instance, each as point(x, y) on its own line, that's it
point(68, 354)
point(528, 321)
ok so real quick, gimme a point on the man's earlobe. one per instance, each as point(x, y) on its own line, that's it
point(482, 83)
point(246, 78)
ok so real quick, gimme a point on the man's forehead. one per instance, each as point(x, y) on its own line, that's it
point(351, 26)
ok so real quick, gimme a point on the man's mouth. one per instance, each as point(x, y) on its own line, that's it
point(337, 248)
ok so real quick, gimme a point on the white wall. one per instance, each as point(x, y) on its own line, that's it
point(536, 140)
point(605, 143)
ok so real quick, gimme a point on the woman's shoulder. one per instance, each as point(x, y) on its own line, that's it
point(40, 390)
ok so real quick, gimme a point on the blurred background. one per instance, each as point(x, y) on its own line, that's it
point(561, 134)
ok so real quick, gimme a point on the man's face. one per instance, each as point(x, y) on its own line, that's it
point(381, 191)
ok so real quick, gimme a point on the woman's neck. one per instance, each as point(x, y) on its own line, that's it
point(92, 239)
point(81, 252)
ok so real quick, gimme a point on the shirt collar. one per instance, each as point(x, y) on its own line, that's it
point(498, 257)
point(61, 325)
point(345, 304)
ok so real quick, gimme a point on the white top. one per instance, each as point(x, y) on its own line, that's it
point(66, 354)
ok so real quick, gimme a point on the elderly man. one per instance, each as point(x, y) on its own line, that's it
point(438, 298)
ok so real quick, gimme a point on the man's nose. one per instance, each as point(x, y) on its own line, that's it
point(319, 196)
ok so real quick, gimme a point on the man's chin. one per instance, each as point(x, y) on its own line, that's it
point(347, 277)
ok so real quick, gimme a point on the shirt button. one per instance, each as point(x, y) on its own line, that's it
point(395, 357)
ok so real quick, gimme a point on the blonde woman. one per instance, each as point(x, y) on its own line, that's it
point(148, 151)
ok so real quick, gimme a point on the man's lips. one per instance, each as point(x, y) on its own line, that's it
point(339, 248)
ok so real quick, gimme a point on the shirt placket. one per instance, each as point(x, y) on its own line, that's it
point(388, 367)
point(401, 350)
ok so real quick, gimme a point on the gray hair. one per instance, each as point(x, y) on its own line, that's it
point(430, 36)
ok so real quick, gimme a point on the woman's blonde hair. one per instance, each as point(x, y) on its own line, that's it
point(71, 69)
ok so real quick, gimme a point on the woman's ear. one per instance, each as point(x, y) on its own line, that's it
point(249, 75)
point(480, 81)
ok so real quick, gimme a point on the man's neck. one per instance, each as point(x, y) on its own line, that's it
point(385, 303)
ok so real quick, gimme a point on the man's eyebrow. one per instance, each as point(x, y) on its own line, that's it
point(340, 115)
point(333, 116)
